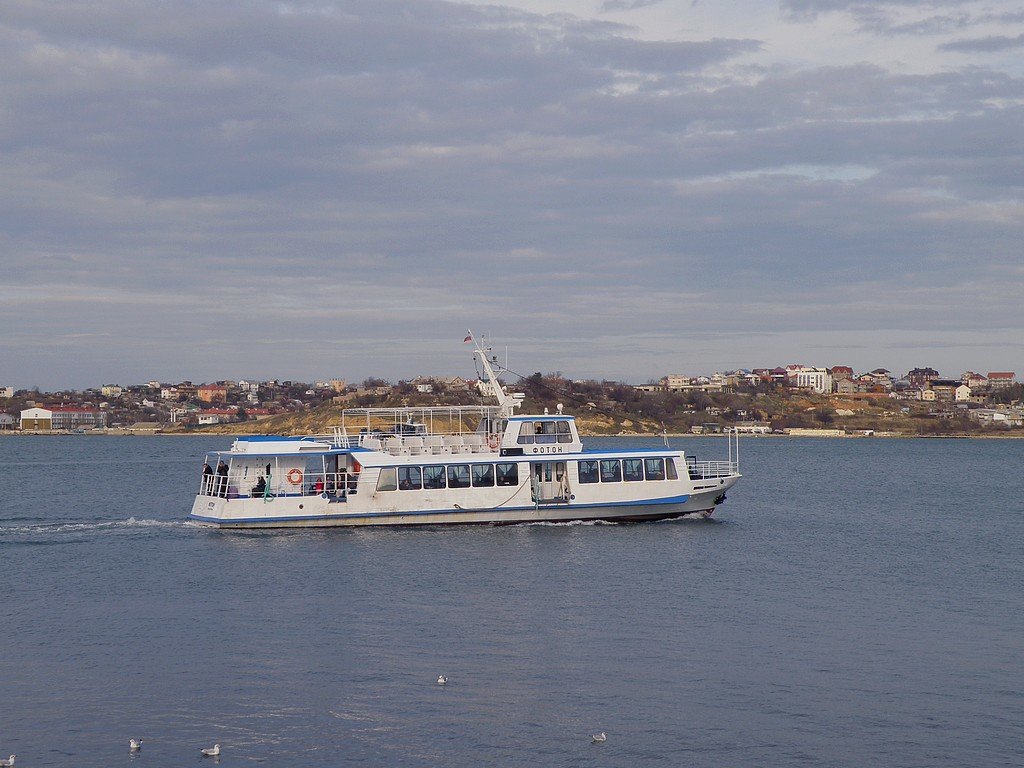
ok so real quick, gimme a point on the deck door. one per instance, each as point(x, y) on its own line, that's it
point(550, 482)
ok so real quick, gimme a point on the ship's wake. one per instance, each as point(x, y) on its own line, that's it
point(100, 526)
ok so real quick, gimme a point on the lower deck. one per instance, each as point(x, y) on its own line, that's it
point(377, 489)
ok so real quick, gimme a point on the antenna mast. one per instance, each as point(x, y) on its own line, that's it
point(506, 403)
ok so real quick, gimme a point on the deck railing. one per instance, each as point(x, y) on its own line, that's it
point(702, 470)
point(337, 486)
point(412, 445)
point(359, 425)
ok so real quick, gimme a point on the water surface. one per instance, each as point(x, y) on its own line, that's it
point(856, 602)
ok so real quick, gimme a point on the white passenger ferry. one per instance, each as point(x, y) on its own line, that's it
point(458, 464)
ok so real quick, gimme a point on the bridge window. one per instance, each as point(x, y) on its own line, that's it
point(655, 469)
point(545, 431)
point(410, 478)
point(507, 474)
point(526, 433)
point(670, 469)
point(458, 476)
point(387, 480)
point(433, 477)
point(611, 472)
point(632, 470)
point(563, 431)
point(483, 475)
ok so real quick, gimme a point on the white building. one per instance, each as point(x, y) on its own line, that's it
point(6, 392)
point(62, 417)
point(815, 379)
point(36, 418)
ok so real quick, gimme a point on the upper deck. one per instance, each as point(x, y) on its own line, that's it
point(433, 430)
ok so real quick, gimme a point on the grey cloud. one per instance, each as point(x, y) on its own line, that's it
point(627, 5)
point(217, 183)
point(985, 44)
point(810, 8)
point(665, 57)
point(883, 17)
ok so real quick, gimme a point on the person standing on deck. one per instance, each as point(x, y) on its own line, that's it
point(207, 479)
point(222, 479)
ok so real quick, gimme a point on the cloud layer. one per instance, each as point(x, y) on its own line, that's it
point(205, 190)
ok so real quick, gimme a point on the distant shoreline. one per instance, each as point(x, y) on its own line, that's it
point(746, 436)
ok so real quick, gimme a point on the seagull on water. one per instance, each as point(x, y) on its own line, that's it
point(600, 738)
point(9, 762)
point(134, 744)
point(212, 751)
point(441, 680)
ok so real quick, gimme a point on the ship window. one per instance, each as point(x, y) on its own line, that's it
point(588, 471)
point(670, 469)
point(545, 431)
point(526, 433)
point(611, 472)
point(387, 480)
point(433, 477)
point(410, 478)
point(483, 475)
point(458, 476)
point(632, 470)
point(655, 469)
point(564, 433)
point(507, 474)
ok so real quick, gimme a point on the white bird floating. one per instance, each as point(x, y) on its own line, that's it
point(212, 751)
point(600, 738)
point(134, 744)
point(8, 762)
point(441, 680)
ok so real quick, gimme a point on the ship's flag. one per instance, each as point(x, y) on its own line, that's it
point(468, 338)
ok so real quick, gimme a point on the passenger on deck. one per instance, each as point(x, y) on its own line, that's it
point(207, 479)
point(260, 489)
point(318, 486)
point(222, 478)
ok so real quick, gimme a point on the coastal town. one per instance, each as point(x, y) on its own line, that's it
point(792, 399)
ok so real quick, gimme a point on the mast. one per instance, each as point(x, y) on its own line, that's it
point(506, 403)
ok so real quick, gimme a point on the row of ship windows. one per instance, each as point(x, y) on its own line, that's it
point(626, 470)
point(450, 476)
point(437, 476)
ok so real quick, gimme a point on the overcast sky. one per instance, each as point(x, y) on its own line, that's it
point(613, 189)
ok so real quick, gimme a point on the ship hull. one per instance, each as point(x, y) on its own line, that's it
point(321, 513)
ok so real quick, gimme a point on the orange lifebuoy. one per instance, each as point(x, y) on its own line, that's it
point(493, 441)
point(294, 476)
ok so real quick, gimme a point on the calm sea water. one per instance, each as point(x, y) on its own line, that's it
point(856, 602)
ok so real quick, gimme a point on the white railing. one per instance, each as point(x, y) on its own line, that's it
point(701, 470)
point(435, 420)
point(336, 485)
point(439, 429)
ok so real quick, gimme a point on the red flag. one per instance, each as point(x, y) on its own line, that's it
point(468, 338)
